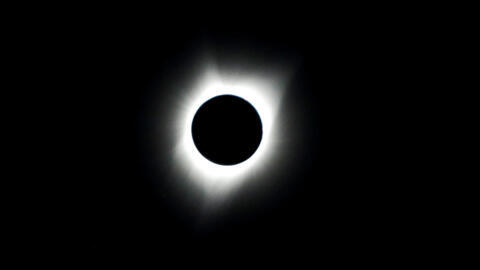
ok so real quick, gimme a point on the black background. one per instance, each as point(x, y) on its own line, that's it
point(347, 192)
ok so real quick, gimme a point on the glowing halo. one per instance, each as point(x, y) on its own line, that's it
point(217, 179)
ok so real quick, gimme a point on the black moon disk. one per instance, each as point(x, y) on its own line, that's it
point(227, 130)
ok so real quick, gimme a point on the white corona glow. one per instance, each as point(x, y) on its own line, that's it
point(217, 179)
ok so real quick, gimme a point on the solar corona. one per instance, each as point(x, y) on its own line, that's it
point(225, 130)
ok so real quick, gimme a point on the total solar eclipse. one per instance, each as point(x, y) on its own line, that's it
point(227, 130)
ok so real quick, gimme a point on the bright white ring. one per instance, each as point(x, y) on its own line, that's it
point(216, 178)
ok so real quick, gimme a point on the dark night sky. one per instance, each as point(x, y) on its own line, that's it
point(345, 192)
